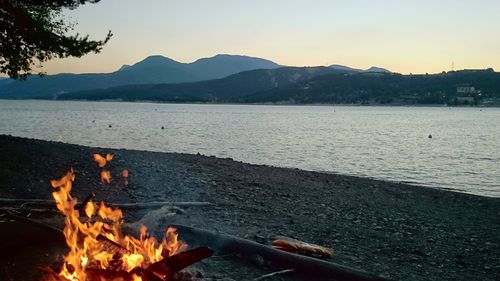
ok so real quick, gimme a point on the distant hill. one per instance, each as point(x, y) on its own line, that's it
point(218, 90)
point(350, 69)
point(383, 88)
point(224, 65)
point(305, 85)
point(377, 69)
point(151, 70)
point(344, 68)
point(124, 67)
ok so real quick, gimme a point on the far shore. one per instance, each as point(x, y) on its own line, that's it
point(267, 104)
point(401, 231)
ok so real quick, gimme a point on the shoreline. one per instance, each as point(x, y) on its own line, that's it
point(333, 173)
point(265, 104)
point(401, 231)
point(338, 173)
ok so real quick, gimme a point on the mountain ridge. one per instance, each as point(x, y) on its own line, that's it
point(151, 70)
point(350, 69)
point(223, 89)
point(306, 85)
point(154, 69)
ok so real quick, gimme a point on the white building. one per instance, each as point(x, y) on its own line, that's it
point(466, 89)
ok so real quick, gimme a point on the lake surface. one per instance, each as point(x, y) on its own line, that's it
point(388, 143)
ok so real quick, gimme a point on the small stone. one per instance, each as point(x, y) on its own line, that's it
point(258, 260)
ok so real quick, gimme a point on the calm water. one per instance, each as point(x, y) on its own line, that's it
point(381, 142)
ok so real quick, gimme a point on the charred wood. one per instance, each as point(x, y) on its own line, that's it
point(170, 265)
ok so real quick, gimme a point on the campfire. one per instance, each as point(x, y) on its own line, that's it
point(100, 251)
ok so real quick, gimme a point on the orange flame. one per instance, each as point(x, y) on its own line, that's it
point(106, 176)
point(87, 240)
point(101, 161)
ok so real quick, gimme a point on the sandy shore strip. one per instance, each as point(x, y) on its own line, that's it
point(400, 231)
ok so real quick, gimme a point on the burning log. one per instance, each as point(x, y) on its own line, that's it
point(224, 243)
point(87, 199)
point(99, 274)
point(112, 246)
point(162, 270)
point(170, 265)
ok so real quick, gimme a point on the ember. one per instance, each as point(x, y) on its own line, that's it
point(101, 161)
point(106, 176)
point(100, 251)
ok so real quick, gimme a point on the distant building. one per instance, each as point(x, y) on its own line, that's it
point(467, 89)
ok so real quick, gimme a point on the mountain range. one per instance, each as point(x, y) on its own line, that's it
point(243, 79)
point(217, 90)
point(152, 70)
point(356, 70)
point(308, 85)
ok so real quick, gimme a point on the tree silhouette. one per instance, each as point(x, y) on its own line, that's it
point(32, 32)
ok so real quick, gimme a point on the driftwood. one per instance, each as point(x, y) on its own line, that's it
point(56, 231)
point(302, 264)
point(143, 205)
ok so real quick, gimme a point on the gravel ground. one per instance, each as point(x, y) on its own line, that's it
point(396, 230)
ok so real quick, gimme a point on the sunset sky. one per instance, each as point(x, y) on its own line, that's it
point(402, 36)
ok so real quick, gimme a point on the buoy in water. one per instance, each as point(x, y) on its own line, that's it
point(430, 136)
point(109, 126)
point(163, 128)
